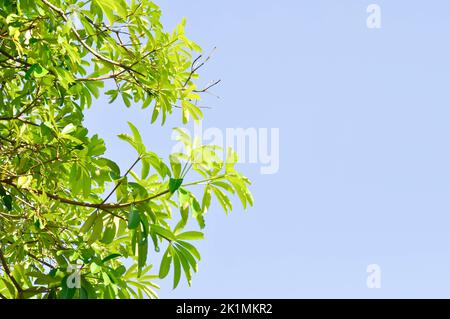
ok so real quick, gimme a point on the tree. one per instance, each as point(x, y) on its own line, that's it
point(70, 219)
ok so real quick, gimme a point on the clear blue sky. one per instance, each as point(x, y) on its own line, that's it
point(364, 120)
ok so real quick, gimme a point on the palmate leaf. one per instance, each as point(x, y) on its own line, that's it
point(183, 256)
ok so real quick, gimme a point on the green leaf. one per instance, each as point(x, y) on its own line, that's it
point(223, 199)
point(157, 163)
point(139, 147)
point(9, 286)
point(191, 248)
point(174, 184)
point(190, 235)
point(66, 292)
point(176, 165)
point(94, 268)
point(155, 114)
point(96, 230)
point(133, 218)
point(86, 182)
point(7, 200)
point(30, 71)
point(90, 290)
point(106, 279)
point(206, 200)
point(37, 70)
point(109, 234)
point(136, 135)
point(201, 221)
point(145, 225)
point(88, 223)
point(165, 264)
point(163, 232)
point(186, 267)
point(69, 128)
point(188, 256)
point(110, 7)
point(192, 109)
point(2, 191)
point(24, 181)
point(110, 257)
point(142, 254)
point(112, 166)
point(184, 218)
point(176, 269)
point(145, 169)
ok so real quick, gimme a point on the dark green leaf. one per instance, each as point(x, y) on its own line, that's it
point(2, 191)
point(110, 257)
point(7, 200)
point(133, 219)
point(174, 184)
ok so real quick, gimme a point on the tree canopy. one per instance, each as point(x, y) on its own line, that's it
point(73, 224)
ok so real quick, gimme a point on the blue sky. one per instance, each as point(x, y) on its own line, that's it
point(364, 172)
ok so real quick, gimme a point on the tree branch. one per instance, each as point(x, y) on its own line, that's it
point(102, 206)
point(111, 206)
point(25, 109)
point(41, 261)
point(101, 78)
point(14, 58)
point(18, 119)
point(8, 273)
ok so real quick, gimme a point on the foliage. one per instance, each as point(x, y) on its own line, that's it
point(55, 57)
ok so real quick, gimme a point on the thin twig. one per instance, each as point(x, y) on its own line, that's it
point(126, 174)
point(41, 261)
point(14, 58)
point(208, 87)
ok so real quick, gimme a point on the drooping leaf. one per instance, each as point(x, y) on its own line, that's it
point(133, 218)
